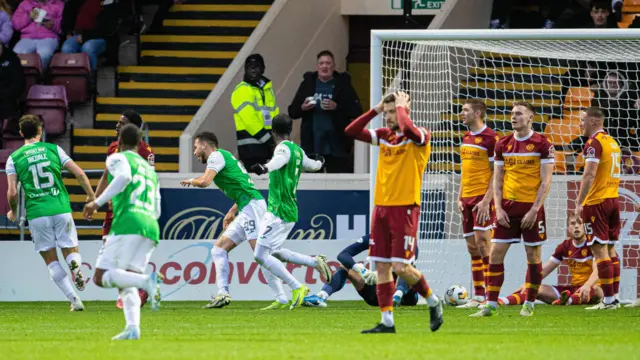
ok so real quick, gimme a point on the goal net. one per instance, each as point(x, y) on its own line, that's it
point(441, 69)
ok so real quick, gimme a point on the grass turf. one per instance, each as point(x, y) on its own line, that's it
point(183, 330)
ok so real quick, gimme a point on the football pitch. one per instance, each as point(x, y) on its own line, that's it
point(183, 330)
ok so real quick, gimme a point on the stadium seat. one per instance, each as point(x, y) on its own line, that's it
point(578, 98)
point(563, 131)
point(50, 102)
point(32, 71)
point(11, 138)
point(4, 156)
point(73, 72)
point(561, 162)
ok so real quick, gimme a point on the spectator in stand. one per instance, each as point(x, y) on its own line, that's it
point(6, 28)
point(39, 24)
point(88, 35)
point(621, 122)
point(11, 83)
point(327, 102)
point(601, 17)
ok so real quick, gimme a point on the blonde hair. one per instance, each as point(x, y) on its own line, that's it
point(4, 6)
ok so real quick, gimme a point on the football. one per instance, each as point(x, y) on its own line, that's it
point(456, 295)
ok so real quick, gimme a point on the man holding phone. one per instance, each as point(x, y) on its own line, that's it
point(39, 24)
point(327, 102)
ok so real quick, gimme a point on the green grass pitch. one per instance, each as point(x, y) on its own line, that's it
point(183, 330)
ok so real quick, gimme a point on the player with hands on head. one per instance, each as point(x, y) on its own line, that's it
point(404, 153)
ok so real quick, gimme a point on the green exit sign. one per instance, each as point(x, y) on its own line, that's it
point(419, 4)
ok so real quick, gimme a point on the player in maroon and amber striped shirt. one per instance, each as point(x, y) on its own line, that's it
point(129, 116)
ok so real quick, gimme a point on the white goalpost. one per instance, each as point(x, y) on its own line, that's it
point(560, 72)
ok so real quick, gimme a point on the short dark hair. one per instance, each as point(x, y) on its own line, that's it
point(208, 137)
point(30, 125)
point(325, 53)
point(595, 112)
point(600, 5)
point(282, 124)
point(130, 136)
point(477, 105)
point(133, 117)
point(525, 104)
point(389, 99)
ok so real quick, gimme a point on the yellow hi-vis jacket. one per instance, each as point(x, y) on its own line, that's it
point(253, 110)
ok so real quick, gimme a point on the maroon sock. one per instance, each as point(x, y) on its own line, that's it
point(477, 274)
point(534, 279)
point(422, 288)
point(495, 278)
point(605, 273)
point(615, 261)
point(385, 295)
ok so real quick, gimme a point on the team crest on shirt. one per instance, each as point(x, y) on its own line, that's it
point(530, 147)
point(584, 252)
point(478, 140)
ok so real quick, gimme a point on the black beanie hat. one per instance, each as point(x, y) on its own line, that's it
point(254, 58)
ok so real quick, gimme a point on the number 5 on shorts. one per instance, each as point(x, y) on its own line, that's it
point(541, 228)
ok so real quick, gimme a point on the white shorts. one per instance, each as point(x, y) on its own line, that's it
point(247, 223)
point(127, 252)
point(48, 232)
point(274, 231)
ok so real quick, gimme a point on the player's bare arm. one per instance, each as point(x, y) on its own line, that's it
point(82, 178)
point(121, 178)
point(483, 208)
point(12, 196)
point(202, 181)
point(588, 176)
point(102, 184)
point(404, 121)
point(231, 214)
point(498, 182)
point(529, 219)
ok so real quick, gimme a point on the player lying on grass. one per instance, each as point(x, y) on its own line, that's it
point(38, 166)
point(362, 279)
point(135, 193)
point(583, 288)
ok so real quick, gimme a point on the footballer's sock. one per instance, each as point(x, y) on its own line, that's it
point(275, 285)
point(615, 262)
point(269, 262)
point(74, 257)
point(131, 306)
point(477, 274)
point(422, 288)
point(402, 286)
point(485, 269)
point(385, 301)
point(61, 279)
point(337, 282)
point(221, 261)
point(322, 294)
point(122, 279)
point(605, 273)
point(534, 279)
point(286, 255)
point(513, 299)
point(495, 278)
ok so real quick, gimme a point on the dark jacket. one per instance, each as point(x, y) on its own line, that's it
point(11, 83)
point(344, 95)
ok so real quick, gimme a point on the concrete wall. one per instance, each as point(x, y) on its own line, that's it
point(289, 37)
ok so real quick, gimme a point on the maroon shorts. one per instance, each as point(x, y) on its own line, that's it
point(469, 223)
point(514, 233)
point(602, 222)
point(394, 230)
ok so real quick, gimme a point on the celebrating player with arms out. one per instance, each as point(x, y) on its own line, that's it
point(404, 153)
point(523, 168)
point(597, 202)
point(232, 179)
point(284, 169)
point(129, 116)
point(475, 199)
point(135, 192)
point(38, 165)
point(583, 288)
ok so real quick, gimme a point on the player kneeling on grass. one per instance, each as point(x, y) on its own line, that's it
point(38, 167)
point(362, 279)
point(135, 194)
point(583, 288)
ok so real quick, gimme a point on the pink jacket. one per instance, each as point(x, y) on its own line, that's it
point(31, 30)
